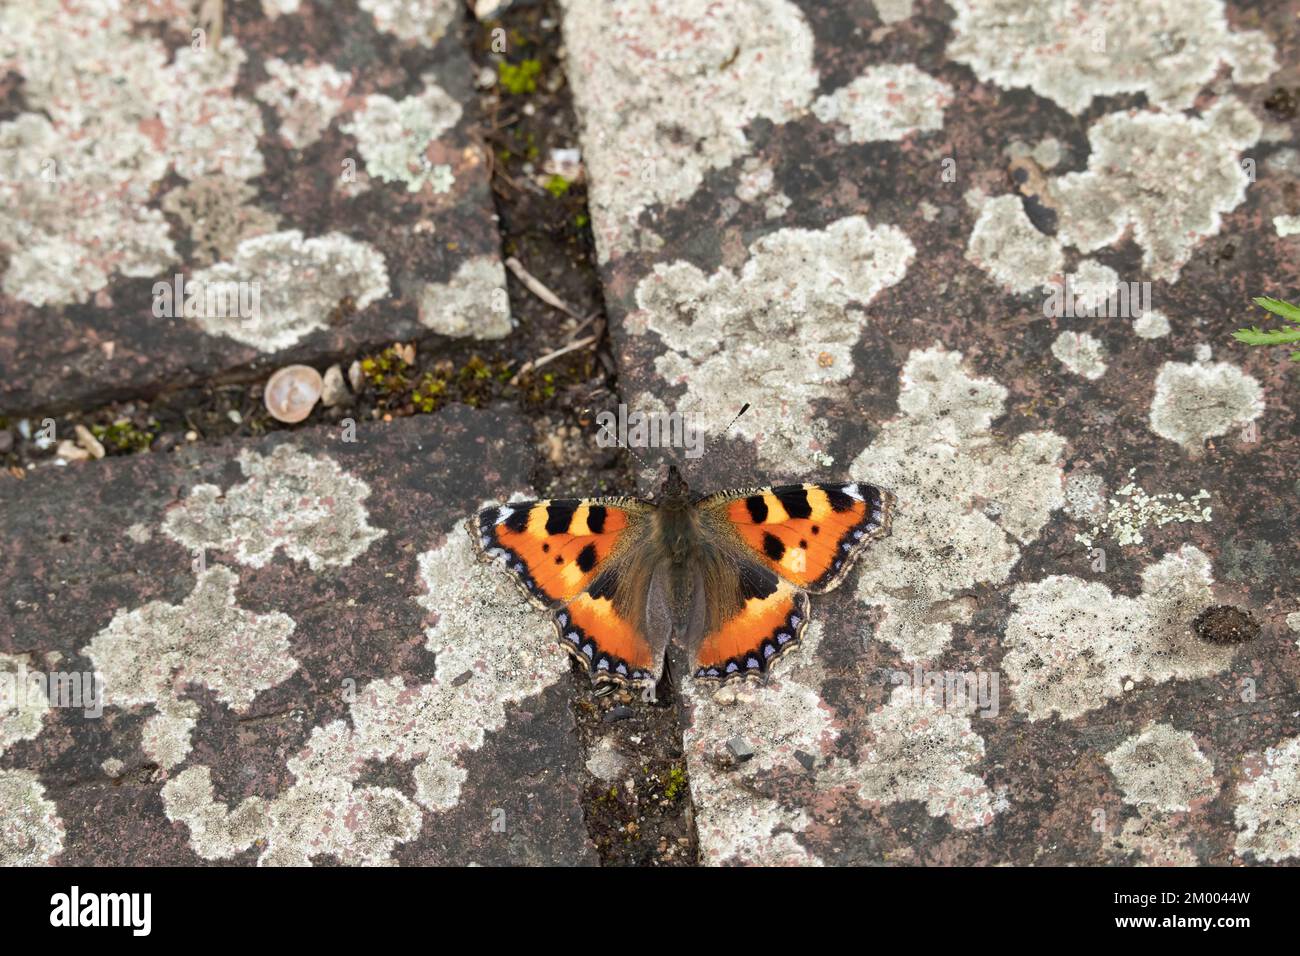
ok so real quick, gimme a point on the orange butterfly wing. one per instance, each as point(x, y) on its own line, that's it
point(563, 553)
point(809, 534)
point(797, 538)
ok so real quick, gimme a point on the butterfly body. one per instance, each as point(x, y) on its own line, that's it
point(724, 575)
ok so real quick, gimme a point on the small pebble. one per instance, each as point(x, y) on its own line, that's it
point(739, 749)
point(235, 417)
point(618, 713)
point(87, 440)
point(191, 436)
point(70, 451)
point(334, 391)
point(356, 377)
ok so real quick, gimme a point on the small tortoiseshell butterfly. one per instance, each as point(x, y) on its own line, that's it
point(727, 575)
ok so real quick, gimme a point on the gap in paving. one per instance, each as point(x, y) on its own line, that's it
point(639, 811)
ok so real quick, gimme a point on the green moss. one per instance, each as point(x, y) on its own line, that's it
point(557, 186)
point(677, 783)
point(581, 220)
point(519, 78)
point(124, 437)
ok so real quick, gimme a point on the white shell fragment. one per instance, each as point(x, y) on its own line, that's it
point(292, 392)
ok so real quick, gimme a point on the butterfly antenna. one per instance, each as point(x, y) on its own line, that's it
point(717, 438)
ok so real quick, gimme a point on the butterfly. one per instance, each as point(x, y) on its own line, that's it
point(727, 575)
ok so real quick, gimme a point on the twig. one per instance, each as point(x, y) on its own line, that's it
point(535, 364)
point(536, 288)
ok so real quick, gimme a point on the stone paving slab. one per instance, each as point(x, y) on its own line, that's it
point(337, 680)
point(311, 174)
point(852, 216)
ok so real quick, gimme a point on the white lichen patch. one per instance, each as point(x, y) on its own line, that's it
point(1005, 244)
point(1158, 839)
point(23, 703)
point(1268, 814)
point(307, 96)
point(1081, 353)
point(1085, 496)
point(151, 654)
point(1293, 622)
point(796, 307)
point(493, 650)
point(665, 96)
point(757, 182)
point(886, 103)
point(914, 751)
point(968, 500)
point(1125, 516)
point(472, 304)
point(1287, 225)
point(1162, 768)
point(1202, 400)
point(1073, 644)
point(305, 504)
point(419, 21)
point(1151, 324)
point(1072, 52)
point(31, 833)
point(893, 11)
point(394, 136)
point(299, 283)
point(1167, 178)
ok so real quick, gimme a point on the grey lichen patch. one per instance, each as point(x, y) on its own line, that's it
point(1157, 838)
point(1202, 400)
point(664, 99)
point(914, 751)
point(1168, 178)
point(299, 282)
point(305, 504)
point(420, 21)
point(1072, 52)
point(23, 704)
point(757, 182)
point(472, 304)
point(307, 96)
point(31, 833)
point(218, 213)
point(108, 117)
point(1151, 324)
point(166, 735)
point(1162, 768)
point(1081, 353)
point(968, 499)
point(893, 11)
point(1293, 622)
point(886, 103)
point(1005, 244)
point(1133, 509)
point(1073, 644)
point(480, 628)
point(796, 305)
point(1085, 496)
point(394, 136)
point(149, 655)
point(1268, 811)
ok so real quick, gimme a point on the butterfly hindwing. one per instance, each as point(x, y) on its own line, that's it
point(809, 534)
point(567, 555)
point(770, 619)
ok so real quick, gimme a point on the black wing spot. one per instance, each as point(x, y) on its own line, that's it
point(803, 543)
point(773, 547)
point(795, 501)
point(838, 499)
point(816, 530)
point(587, 558)
point(559, 559)
point(756, 582)
point(757, 508)
point(518, 520)
point(545, 548)
point(559, 515)
point(596, 519)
